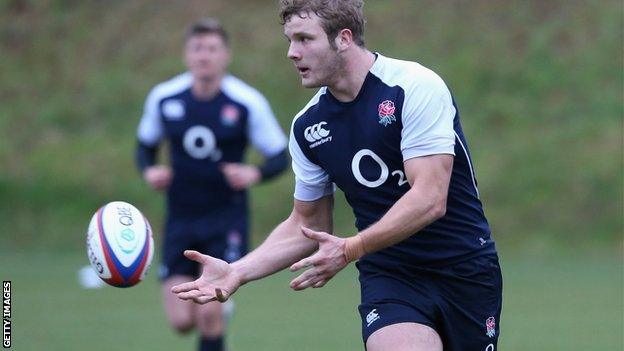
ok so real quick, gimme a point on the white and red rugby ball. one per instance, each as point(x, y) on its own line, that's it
point(120, 246)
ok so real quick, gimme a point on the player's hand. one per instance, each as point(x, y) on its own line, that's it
point(325, 263)
point(217, 282)
point(240, 176)
point(158, 177)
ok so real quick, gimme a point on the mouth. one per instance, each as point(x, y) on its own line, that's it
point(303, 70)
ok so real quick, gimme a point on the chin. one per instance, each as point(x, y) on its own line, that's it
point(310, 83)
point(205, 76)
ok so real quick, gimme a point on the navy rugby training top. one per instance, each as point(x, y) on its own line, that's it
point(204, 133)
point(403, 110)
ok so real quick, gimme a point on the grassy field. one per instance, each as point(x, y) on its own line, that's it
point(569, 303)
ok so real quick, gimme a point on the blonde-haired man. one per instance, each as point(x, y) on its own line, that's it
point(386, 132)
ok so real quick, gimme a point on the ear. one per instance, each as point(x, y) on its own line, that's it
point(344, 39)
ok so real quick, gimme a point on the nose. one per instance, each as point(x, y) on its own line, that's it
point(293, 53)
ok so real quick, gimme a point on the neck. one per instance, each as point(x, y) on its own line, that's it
point(357, 63)
point(206, 88)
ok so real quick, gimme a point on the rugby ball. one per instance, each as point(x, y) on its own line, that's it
point(120, 246)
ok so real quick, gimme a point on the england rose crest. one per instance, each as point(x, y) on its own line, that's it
point(490, 327)
point(229, 115)
point(386, 113)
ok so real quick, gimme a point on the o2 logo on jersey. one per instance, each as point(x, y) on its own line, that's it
point(200, 143)
point(173, 110)
point(383, 176)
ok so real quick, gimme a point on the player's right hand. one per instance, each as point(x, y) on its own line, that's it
point(158, 177)
point(217, 282)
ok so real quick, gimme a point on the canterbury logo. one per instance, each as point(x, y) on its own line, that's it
point(316, 132)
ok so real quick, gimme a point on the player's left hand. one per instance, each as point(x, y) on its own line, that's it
point(325, 263)
point(240, 176)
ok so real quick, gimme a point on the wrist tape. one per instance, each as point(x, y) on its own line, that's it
point(354, 248)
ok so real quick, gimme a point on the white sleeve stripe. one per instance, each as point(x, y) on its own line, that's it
point(150, 129)
point(438, 144)
point(305, 170)
point(312, 192)
point(311, 181)
point(315, 99)
point(263, 130)
point(418, 152)
point(428, 112)
point(472, 175)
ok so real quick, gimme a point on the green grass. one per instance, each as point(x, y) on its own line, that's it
point(567, 303)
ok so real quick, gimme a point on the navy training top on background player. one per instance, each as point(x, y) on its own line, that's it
point(204, 133)
point(403, 110)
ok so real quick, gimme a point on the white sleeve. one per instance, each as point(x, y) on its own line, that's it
point(311, 181)
point(263, 130)
point(428, 114)
point(150, 130)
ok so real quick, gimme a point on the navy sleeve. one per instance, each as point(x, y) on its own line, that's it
point(145, 156)
point(274, 165)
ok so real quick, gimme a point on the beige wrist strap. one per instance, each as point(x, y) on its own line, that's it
point(354, 248)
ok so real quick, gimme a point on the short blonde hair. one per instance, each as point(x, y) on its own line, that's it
point(335, 15)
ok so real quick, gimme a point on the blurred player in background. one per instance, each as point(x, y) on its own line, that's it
point(387, 132)
point(208, 118)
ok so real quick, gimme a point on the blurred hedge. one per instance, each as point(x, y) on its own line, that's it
point(539, 86)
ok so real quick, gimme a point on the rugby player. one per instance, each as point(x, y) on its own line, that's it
point(208, 118)
point(386, 132)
